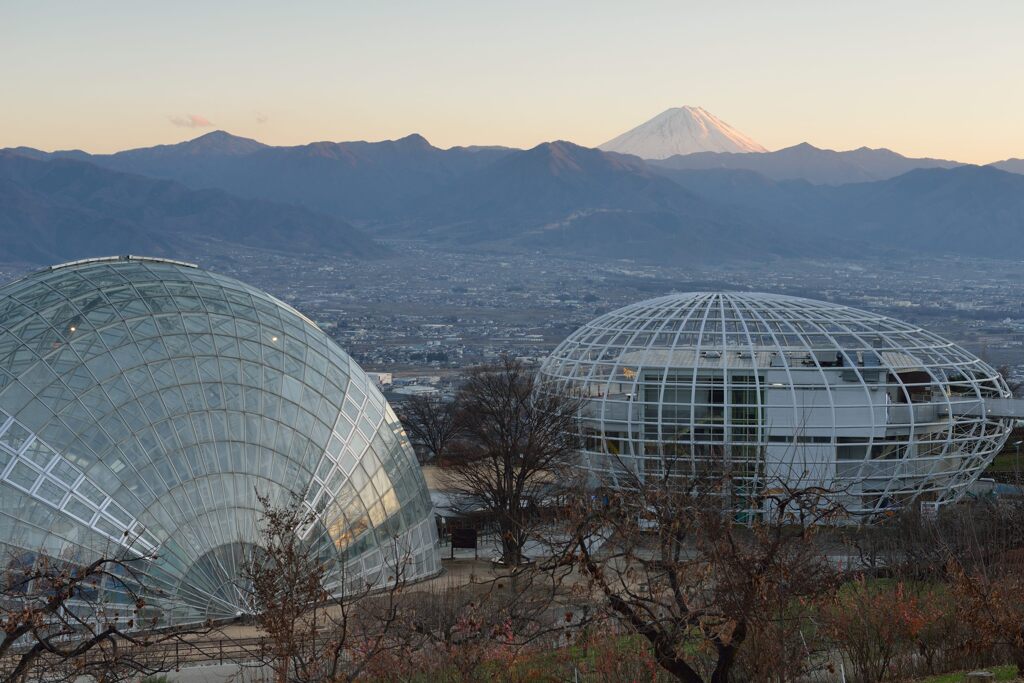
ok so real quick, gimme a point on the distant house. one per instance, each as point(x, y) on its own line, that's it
point(383, 379)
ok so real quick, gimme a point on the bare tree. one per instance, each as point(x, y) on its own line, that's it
point(312, 633)
point(63, 620)
point(458, 632)
point(432, 423)
point(516, 440)
point(912, 547)
point(669, 561)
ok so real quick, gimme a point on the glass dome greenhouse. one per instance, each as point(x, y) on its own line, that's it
point(145, 403)
point(771, 390)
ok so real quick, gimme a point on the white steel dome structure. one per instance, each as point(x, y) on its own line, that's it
point(146, 403)
point(773, 389)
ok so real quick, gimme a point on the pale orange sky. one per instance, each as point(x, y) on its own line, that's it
point(925, 78)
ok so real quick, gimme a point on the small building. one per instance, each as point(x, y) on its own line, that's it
point(383, 379)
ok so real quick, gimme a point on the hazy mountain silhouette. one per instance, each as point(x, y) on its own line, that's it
point(586, 202)
point(1010, 165)
point(352, 180)
point(61, 208)
point(807, 162)
point(556, 196)
point(548, 182)
point(976, 210)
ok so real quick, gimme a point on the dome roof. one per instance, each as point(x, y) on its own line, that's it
point(702, 376)
point(145, 403)
point(743, 329)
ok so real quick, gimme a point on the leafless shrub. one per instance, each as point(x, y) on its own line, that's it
point(310, 633)
point(669, 561)
point(63, 620)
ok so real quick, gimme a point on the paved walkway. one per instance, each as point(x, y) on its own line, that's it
point(218, 673)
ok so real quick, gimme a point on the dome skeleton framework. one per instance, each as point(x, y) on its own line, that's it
point(143, 405)
point(771, 388)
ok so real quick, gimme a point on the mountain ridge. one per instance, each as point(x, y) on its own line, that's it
point(1012, 165)
point(564, 196)
point(349, 180)
point(804, 161)
point(65, 208)
point(554, 196)
point(965, 210)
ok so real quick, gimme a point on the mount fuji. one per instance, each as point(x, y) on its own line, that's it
point(681, 130)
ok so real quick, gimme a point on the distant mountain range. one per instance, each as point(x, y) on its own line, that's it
point(560, 197)
point(580, 201)
point(1011, 165)
point(355, 180)
point(60, 209)
point(807, 162)
point(966, 210)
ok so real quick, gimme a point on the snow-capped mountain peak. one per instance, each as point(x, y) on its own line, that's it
point(681, 130)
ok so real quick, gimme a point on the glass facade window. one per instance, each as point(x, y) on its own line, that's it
point(145, 404)
point(768, 389)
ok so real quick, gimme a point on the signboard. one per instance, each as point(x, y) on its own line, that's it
point(464, 538)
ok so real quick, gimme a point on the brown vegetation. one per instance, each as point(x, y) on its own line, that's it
point(62, 621)
point(668, 560)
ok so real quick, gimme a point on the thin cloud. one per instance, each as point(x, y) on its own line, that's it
point(262, 118)
point(191, 121)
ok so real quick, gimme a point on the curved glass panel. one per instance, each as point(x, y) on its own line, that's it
point(144, 404)
point(771, 389)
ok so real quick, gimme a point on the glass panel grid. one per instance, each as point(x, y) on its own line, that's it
point(771, 388)
point(157, 399)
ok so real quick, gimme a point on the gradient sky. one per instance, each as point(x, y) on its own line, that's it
point(925, 78)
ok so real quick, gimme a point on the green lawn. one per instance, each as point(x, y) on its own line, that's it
point(1003, 673)
point(1007, 461)
point(1011, 458)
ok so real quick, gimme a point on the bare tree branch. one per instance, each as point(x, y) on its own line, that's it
point(669, 561)
point(62, 620)
point(516, 441)
point(314, 634)
point(432, 423)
